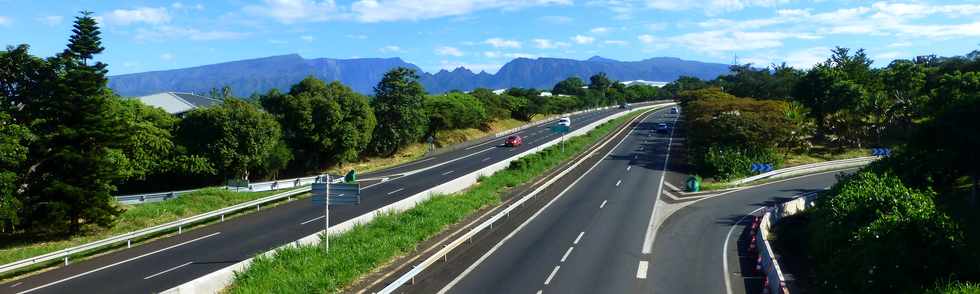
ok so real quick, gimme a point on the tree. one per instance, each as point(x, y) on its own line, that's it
point(497, 106)
point(221, 94)
point(454, 111)
point(398, 106)
point(571, 86)
point(323, 123)
point(825, 91)
point(78, 154)
point(600, 82)
point(14, 141)
point(235, 136)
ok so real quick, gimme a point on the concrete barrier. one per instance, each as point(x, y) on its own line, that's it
point(218, 280)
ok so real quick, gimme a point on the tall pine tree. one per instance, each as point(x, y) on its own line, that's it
point(77, 157)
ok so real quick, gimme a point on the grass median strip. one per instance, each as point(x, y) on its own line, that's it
point(136, 217)
point(308, 269)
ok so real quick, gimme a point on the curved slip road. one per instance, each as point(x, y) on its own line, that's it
point(162, 264)
point(689, 255)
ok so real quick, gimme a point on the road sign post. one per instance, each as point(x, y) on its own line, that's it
point(561, 129)
point(336, 194)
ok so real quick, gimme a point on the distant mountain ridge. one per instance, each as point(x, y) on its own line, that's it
point(362, 74)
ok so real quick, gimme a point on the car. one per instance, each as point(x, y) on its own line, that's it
point(673, 110)
point(513, 141)
point(663, 128)
point(625, 106)
point(565, 121)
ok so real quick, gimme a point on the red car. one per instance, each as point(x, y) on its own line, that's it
point(513, 141)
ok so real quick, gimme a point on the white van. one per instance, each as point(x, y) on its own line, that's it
point(565, 121)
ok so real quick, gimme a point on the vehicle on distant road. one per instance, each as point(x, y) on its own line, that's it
point(565, 121)
point(624, 105)
point(663, 128)
point(673, 110)
point(513, 141)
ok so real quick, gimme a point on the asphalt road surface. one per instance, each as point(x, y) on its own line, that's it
point(167, 262)
point(689, 255)
point(591, 239)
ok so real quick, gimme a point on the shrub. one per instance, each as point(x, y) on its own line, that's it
point(871, 233)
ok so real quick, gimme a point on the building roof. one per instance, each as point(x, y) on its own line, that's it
point(177, 103)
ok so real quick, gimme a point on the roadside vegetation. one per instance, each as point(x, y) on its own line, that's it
point(907, 223)
point(68, 143)
point(133, 218)
point(308, 269)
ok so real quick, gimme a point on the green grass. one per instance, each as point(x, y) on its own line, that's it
point(821, 154)
point(135, 217)
point(955, 288)
point(308, 269)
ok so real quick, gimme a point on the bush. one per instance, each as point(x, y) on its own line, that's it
point(955, 287)
point(726, 163)
point(871, 233)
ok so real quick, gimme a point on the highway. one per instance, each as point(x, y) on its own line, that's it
point(590, 239)
point(167, 262)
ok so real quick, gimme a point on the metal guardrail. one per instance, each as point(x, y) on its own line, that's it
point(252, 187)
point(808, 167)
point(446, 249)
point(128, 237)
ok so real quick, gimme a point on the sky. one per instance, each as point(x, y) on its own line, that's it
point(142, 35)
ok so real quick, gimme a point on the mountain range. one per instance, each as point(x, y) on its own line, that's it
point(362, 74)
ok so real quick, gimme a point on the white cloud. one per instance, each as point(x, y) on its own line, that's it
point(557, 19)
point(492, 54)
point(181, 6)
point(656, 26)
point(395, 10)
point(5, 20)
point(167, 56)
point(475, 67)
point(520, 55)
point(294, 11)
point(306, 38)
point(803, 59)
point(446, 50)
point(900, 44)
point(277, 42)
point(549, 44)
point(147, 15)
point(616, 42)
point(892, 55)
point(165, 32)
point(600, 30)
point(355, 36)
point(724, 41)
point(390, 49)
point(502, 43)
point(646, 39)
point(51, 20)
point(580, 39)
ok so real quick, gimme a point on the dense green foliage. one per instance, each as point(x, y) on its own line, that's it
point(324, 124)
point(236, 136)
point(454, 111)
point(400, 111)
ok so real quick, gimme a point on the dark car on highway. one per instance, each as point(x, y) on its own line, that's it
point(663, 128)
point(513, 141)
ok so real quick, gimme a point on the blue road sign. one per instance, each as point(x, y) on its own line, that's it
point(560, 128)
point(340, 194)
point(761, 167)
point(880, 152)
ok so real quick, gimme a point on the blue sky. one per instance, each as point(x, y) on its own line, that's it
point(484, 34)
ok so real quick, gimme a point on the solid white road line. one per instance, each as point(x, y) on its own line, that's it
point(448, 172)
point(641, 270)
point(312, 220)
point(542, 209)
point(552, 275)
point(396, 191)
point(15, 285)
point(619, 182)
point(648, 239)
point(539, 292)
point(567, 253)
point(724, 251)
point(485, 159)
point(603, 204)
point(167, 271)
point(115, 264)
point(671, 195)
point(671, 186)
